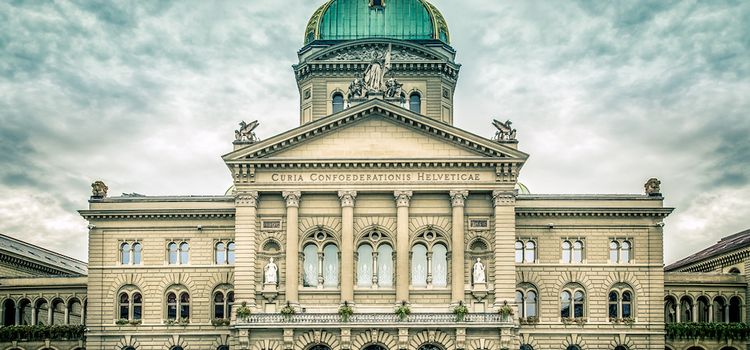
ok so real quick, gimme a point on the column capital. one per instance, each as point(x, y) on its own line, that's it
point(402, 198)
point(246, 199)
point(458, 197)
point(347, 198)
point(504, 197)
point(292, 198)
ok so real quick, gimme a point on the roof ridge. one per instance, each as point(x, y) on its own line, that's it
point(42, 248)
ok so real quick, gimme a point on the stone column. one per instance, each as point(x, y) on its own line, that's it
point(292, 245)
point(505, 238)
point(244, 237)
point(347, 244)
point(402, 244)
point(18, 315)
point(458, 198)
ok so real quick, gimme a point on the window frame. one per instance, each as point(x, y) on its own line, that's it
point(319, 238)
point(525, 250)
point(620, 251)
point(179, 305)
point(182, 255)
point(131, 254)
point(130, 292)
point(573, 290)
point(619, 303)
point(526, 288)
point(430, 238)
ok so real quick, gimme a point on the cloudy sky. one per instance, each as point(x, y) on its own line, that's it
point(146, 96)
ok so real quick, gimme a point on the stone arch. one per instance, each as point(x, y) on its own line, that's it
point(532, 278)
point(529, 339)
point(14, 347)
point(218, 279)
point(623, 277)
point(266, 345)
point(47, 347)
point(475, 236)
point(482, 344)
point(573, 277)
point(276, 236)
point(122, 280)
point(316, 337)
point(440, 235)
point(179, 278)
point(219, 340)
point(127, 340)
point(332, 225)
point(624, 340)
point(388, 235)
point(573, 339)
point(364, 224)
point(374, 336)
point(307, 237)
point(176, 340)
point(431, 336)
point(420, 223)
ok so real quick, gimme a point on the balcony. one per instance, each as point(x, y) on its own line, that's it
point(334, 320)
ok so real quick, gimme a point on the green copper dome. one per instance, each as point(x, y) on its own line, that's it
point(360, 19)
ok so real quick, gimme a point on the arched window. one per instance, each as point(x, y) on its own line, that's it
point(231, 247)
point(219, 305)
point(125, 254)
point(439, 265)
point(178, 304)
point(703, 309)
point(620, 302)
point(573, 301)
point(735, 309)
point(670, 310)
point(223, 347)
point(620, 251)
point(625, 252)
point(42, 311)
point(75, 312)
point(720, 314)
point(364, 265)
point(184, 305)
point(220, 253)
point(526, 300)
point(128, 348)
point(385, 265)
point(124, 303)
point(331, 266)
point(9, 310)
point(529, 252)
point(419, 265)
point(223, 301)
point(338, 102)
point(129, 304)
point(734, 270)
point(621, 347)
point(527, 347)
point(519, 251)
point(137, 306)
point(614, 251)
point(184, 253)
point(573, 347)
point(578, 252)
point(686, 309)
point(415, 102)
point(176, 347)
point(566, 252)
point(26, 310)
point(311, 265)
point(172, 253)
point(137, 253)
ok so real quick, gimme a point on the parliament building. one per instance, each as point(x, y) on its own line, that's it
point(374, 225)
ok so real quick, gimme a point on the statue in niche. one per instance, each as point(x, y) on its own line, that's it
point(99, 190)
point(478, 272)
point(504, 131)
point(653, 187)
point(271, 271)
point(246, 133)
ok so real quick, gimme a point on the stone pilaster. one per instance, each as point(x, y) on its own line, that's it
point(402, 244)
point(458, 199)
point(292, 245)
point(505, 238)
point(347, 244)
point(246, 204)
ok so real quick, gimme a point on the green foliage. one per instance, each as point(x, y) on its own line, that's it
point(288, 310)
point(460, 311)
point(243, 312)
point(718, 331)
point(345, 311)
point(41, 332)
point(121, 322)
point(402, 311)
point(217, 322)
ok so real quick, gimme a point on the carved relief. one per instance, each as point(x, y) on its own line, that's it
point(501, 198)
point(99, 190)
point(347, 198)
point(458, 198)
point(247, 199)
point(653, 187)
point(292, 198)
point(402, 198)
point(370, 52)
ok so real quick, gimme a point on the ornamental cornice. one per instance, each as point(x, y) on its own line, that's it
point(30, 265)
point(246, 199)
point(502, 198)
point(713, 263)
point(347, 198)
point(403, 198)
point(180, 214)
point(458, 197)
point(642, 212)
point(292, 198)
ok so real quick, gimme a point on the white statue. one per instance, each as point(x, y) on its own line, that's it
point(271, 269)
point(479, 276)
point(374, 76)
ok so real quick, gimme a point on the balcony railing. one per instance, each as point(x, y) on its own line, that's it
point(375, 318)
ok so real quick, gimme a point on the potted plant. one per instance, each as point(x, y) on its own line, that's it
point(121, 322)
point(402, 311)
point(345, 311)
point(287, 311)
point(243, 312)
point(218, 322)
point(135, 322)
point(505, 311)
point(460, 311)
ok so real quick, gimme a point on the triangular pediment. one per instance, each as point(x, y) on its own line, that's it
point(376, 130)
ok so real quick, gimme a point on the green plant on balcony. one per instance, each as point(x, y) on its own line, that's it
point(42, 332)
point(505, 311)
point(718, 331)
point(122, 322)
point(460, 311)
point(218, 322)
point(402, 311)
point(345, 311)
point(135, 322)
point(243, 312)
point(288, 311)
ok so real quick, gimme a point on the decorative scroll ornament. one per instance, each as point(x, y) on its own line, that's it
point(504, 131)
point(246, 132)
point(99, 190)
point(652, 187)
